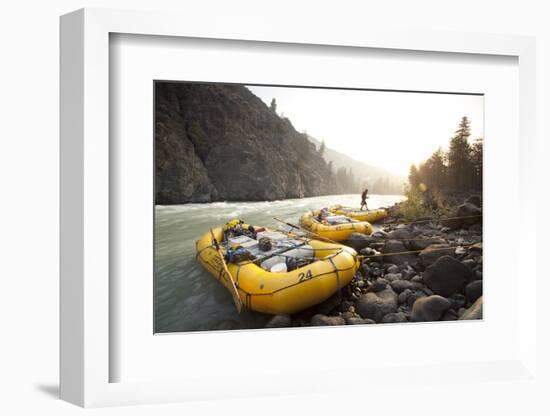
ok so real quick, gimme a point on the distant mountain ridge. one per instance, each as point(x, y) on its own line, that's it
point(374, 177)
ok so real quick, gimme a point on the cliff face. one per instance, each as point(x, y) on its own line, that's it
point(218, 142)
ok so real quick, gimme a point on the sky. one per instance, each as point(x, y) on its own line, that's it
point(386, 129)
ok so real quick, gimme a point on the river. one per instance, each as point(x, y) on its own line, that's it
point(187, 297)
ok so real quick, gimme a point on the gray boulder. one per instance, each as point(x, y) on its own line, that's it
point(474, 200)
point(401, 234)
point(379, 235)
point(393, 269)
point(433, 252)
point(379, 285)
point(392, 318)
point(375, 305)
point(429, 308)
point(390, 277)
point(359, 241)
point(474, 312)
point(403, 296)
point(421, 244)
point(400, 285)
point(473, 290)
point(323, 320)
point(394, 246)
point(279, 321)
point(447, 276)
point(470, 214)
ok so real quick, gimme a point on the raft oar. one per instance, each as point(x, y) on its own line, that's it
point(306, 231)
point(232, 288)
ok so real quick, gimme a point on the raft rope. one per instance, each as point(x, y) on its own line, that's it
point(336, 272)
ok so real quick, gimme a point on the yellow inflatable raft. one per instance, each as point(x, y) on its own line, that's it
point(333, 267)
point(336, 232)
point(371, 215)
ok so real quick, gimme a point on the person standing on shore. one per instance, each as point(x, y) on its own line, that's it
point(364, 199)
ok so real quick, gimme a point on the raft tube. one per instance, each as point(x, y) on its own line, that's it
point(282, 293)
point(371, 215)
point(338, 232)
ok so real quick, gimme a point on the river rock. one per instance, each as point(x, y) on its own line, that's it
point(414, 297)
point(421, 244)
point(393, 269)
point(449, 315)
point(379, 284)
point(376, 305)
point(380, 235)
point(359, 241)
point(394, 246)
point(451, 223)
point(390, 277)
point(433, 252)
point(447, 276)
point(458, 300)
point(474, 200)
point(392, 318)
point(474, 312)
point(473, 290)
point(430, 308)
point(404, 295)
point(323, 320)
point(400, 285)
point(279, 321)
point(401, 234)
point(470, 214)
point(416, 279)
point(471, 263)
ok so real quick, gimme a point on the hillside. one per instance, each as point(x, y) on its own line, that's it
point(378, 180)
point(217, 142)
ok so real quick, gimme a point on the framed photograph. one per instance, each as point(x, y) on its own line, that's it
point(237, 208)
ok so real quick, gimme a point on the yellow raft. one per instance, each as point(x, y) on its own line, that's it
point(282, 293)
point(338, 232)
point(371, 215)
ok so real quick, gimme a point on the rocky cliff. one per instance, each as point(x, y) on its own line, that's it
point(216, 142)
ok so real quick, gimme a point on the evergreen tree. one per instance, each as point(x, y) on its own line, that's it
point(459, 158)
point(460, 169)
point(477, 164)
point(322, 148)
point(414, 176)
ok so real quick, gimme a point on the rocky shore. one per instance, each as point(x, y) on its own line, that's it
point(427, 270)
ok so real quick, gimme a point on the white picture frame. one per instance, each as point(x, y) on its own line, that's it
point(85, 212)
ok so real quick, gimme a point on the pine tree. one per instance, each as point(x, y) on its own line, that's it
point(414, 176)
point(273, 105)
point(322, 148)
point(460, 165)
point(477, 164)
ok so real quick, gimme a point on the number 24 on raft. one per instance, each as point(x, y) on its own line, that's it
point(305, 276)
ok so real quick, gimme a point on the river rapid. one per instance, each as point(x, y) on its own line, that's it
point(187, 298)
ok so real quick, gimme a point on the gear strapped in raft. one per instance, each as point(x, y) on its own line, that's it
point(294, 274)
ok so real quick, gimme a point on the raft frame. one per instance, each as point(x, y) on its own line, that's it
point(85, 356)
